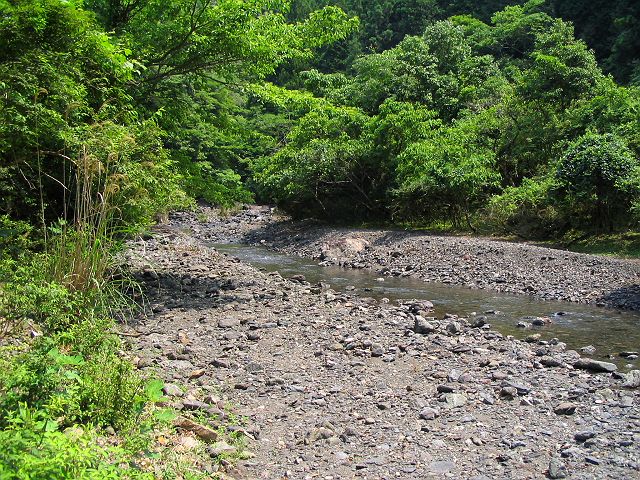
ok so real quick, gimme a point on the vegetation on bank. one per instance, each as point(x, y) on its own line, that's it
point(503, 127)
point(494, 118)
point(111, 115)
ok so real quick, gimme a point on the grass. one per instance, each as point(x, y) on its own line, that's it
point(624, 245)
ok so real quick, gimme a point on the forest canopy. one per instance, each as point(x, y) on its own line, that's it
point(464, 113)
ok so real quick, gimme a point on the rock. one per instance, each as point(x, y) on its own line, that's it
point(455, 400)
point(428, 413)
point(221, 448)
point(557, 469)
point(520, 388)
point(204, 433)
point(509, 392)
point(588, 350)
point(629, 354)
point(541, 321)
point(551, 362)
point(423, 326)
point(632, 379)
point(197, 373)
point(321, 433)
point(194, 405)
point(479, 322)
point(445, 389)
point(595, 365)
point(228, 322)
point(584, 435)
point(565, 408)
point(172, 390)
point(454, 328)
point(376, 350)
point(220, 363)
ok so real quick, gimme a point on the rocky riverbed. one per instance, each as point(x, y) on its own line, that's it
point(474, 262)
point(337, 386)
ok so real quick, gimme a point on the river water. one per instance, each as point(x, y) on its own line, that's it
point(609, 331)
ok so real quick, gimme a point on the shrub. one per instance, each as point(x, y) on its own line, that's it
point(526, 210)
point(599, 179)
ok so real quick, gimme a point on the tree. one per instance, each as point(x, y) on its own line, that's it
point(599, 178)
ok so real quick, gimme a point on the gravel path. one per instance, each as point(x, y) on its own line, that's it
point(335, 386)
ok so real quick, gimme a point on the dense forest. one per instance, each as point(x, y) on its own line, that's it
point(499, 117)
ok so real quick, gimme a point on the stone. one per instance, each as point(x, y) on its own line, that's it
point(204, 433)
point(520, 388)
point(454, 328)
point(441, 467)
point(550, 362)
point(508, 392)
point(376, 350)
point(632, 379)
point(221, 448)
point(423, 326)
point(194, 405)
point(588, 350)
point(428, 413)
point(557, 469)
point(172, 390)
point(595, 365)
point(197, 373)
point(565, 408)
point(228, 322)
point(584, 435)
point(455, 400)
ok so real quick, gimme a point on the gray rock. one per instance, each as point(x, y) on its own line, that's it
point(595, 365)
point(376, 350)
point(455, 400)
point(454, 328)
point(520, 388)
point(632, 379)
point(557, 469)
point(172, 390)
point(584, 435)
point(228, 322)
point(194, 405)
point(423, 326)
point(565, 408)
point(588, 350)
point(428, 413)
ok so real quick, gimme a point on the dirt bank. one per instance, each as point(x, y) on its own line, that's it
point(335, 386)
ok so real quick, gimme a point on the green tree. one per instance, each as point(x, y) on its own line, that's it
point(599, 178)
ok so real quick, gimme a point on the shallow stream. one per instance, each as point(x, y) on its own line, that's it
point(609, 331)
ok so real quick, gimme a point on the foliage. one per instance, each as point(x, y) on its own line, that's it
point(447, 176)
point(599, 178)
point(450, 118)
point(32, 447)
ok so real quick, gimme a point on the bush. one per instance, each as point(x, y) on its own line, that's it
point(599, 180)
point(31, 447)
point(527, 210)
